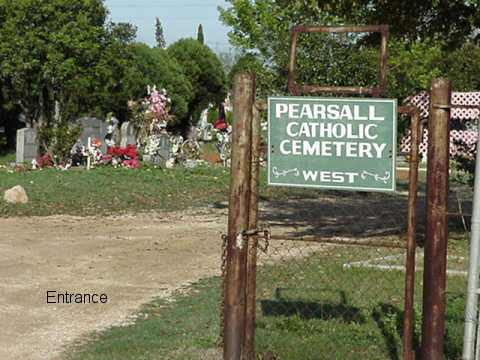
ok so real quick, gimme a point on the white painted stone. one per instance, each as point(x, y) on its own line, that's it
point(16, 195)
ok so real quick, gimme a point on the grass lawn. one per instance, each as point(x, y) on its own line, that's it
point(308, 308)
point(106, 190)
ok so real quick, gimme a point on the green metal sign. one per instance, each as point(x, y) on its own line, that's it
point(335, 143)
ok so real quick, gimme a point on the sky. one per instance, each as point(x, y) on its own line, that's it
point(180, 18)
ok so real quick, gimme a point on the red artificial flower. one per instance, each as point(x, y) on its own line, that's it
point(107, 158)
point(132, 163)
point(45, 161)
point(131, 152)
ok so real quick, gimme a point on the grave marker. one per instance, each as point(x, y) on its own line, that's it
point(95, 129)
point(27, 145)
point(128, 136)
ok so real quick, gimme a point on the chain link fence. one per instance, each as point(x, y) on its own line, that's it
point(331, 279)
point(333, 288)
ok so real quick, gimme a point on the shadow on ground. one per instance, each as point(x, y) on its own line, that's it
point(335, 214)
point(312, 310)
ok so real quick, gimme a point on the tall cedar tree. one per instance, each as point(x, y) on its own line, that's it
point(200, 36)
point(159, 37)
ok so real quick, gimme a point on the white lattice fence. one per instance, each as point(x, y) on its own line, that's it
point(462, 142)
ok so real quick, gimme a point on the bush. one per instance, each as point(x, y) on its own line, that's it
point(58, 141)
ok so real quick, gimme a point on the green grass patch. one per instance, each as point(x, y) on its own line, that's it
point(106, 190)
point(308, 308)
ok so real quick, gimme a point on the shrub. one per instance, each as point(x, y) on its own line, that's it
point(58, 141)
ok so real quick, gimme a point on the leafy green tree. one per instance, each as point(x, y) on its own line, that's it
point(159, 36)
point(100, 88)
point(46, 46)
point(200, 36)
point(154, 66)
point(205, 73)
point(423, 35)
point(452, 22)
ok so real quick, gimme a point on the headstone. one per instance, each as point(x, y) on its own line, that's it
point(27, 145)
point(163, 152)
point(127, 136)
point(95, 129)
point(164, 147)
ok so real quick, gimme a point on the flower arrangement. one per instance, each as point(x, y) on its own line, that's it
point(112, 127)
point(122, 156)
point(159, 103)
point(93, 150)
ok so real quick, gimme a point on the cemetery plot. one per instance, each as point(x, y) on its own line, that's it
point(457, 265)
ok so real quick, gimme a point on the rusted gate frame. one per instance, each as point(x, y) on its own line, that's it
point(251, 262)
point(411, 243)
point(246, 348)
point(379, 90)
point(416, 130)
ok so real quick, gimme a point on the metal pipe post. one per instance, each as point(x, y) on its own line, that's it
point(409, 318)
point(434, 279)
point(471, 310)
point(253, 241)
point(238, 222)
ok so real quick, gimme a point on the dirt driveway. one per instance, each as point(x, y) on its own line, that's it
point(130, 258)
point(134, 259)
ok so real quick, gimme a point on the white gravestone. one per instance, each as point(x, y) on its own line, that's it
point(127, 136)
point(27, 145)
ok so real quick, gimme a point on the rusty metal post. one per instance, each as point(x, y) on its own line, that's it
point(409, 317)
point(383, 85)
point(253, 241)
point(434, 297)
point(238, 222)
point(380, 90)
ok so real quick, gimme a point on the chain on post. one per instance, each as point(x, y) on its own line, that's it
point(223, 268)
point(261, 233)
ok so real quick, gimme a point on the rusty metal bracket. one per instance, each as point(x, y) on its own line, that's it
point(261, 234)
point(378, 91)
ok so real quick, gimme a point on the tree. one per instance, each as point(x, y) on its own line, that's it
point(159, 37)
point(49, 50)
point(73, 58)
point(423, 33)
point(154, 66)
point(200, 36)
point(452, 21)
point(204, 72)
